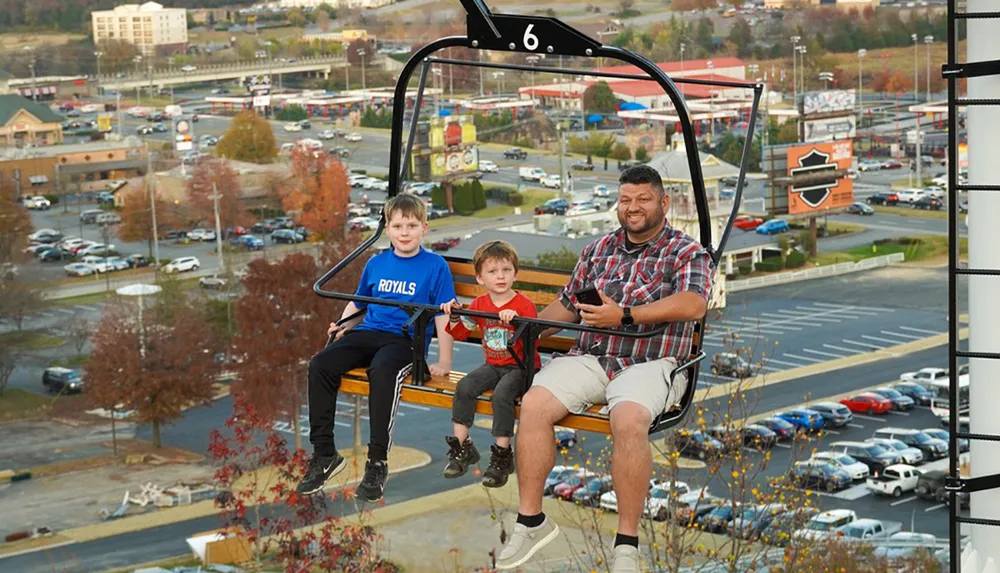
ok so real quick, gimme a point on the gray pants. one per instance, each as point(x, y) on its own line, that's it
point(507, 383)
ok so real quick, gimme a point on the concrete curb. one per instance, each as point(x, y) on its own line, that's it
point(762, 381)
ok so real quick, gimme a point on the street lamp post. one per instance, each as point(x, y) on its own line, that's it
point(138, 97)
point(498, 76)
point(916, 58)
point(533, 60)
point(362, 52)
point(711, 99)
point(826, 78)
point(437, 94)
point(795, 75)
point(802, 68)
point(682, 58)
point(98, 55)
point(928, 40)
point(861, 54)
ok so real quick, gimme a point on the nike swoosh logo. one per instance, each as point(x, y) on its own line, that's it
point(330, 467)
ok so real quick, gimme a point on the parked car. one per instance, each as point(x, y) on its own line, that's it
point(45, 236)
point(925, 375)
point(553, 206)
point(779, 531)
point(894, 481)
point(754, 519)
point(782, 429)
point(868, 403)
point(943, 434)
point(565, 438)
point(582, 166)
point(773, 227)
point(717, 520)
point(515, 153)
point(37, 202)
point(918, 393)
point(834, 415)
point(201, 235)
point(62, 380)
point(213, 282)
point(931, 486)
point(857, 470)
point(557, 475)
point(445, 244)
point(758, 437)
point(928, 203)
point(876, 457)
point(802, 418)
point(747, 223)
point(900, 402)
point(819, 475)
point(286, 236)
point(824, 524)
point(182, 264)
point(111, 264)
point(867, 530)
point(732, 365)
point(932, 447)
point(881, 198)
point(696, 444)
point(78, 269)
point(860, 209)
point(137, 261)
point(911, 456)
point(565, 489)
point(591, 492)
point(903, 546)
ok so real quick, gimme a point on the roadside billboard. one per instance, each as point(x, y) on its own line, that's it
point(104, 123)
point(829, 101)
point(445, 147)
point(815, 184)
point(831, 128)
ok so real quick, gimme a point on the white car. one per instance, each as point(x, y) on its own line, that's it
point(487, 166)
point(601, 191)
point(212, 282)
point(201, 235)
point(37, 202)
point(188, 68)
point(357, 180)
point(857, 470)
point(182, 264)
point(42, 234)
point(925, 375)
point(92, 260)
point(99, 249)
point(940, 180)
point(659, 500)
point(551, 182)
point(326, 134)
point(824, 524)
point(364, 223)
point(293, 126)
point(865, 166)
point(583, 207)
point(910, 195)
point(89, 108)
point(353, 137)
point(373, 184)
point(78, 269)
point(894, 480)
point(111, 264)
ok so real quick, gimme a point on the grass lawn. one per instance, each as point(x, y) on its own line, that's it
point(75, 361)
point(914, 248)
point(30, 340)
point(532, 199)
point(16, 403)
point(911, 212)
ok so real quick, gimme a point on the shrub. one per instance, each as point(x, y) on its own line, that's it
point(794, 260)
point(641, 154)
point(770, 265)
point(745, 269)
point(515, 199)
point(292, 112)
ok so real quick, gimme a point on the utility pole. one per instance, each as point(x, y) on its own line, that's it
point(451, 78)
point(795, 75)
point(98, 55)
point(861, 54)
point(362, 52)
point(218, 229)
point(118, 108)
point(152, 204)
point(34, 84)
point(928, 40)
point(916, 58)
point(562, 153)
point(138, 97)
point(480, 74)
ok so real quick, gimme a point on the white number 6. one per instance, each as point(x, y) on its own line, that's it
point(530, 40)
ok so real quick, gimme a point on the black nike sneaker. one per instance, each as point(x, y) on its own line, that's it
point(320, 470)
point(372, 487)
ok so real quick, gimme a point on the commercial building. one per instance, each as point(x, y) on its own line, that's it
point(56, 169)
point(24, 122)
point(338, 4)
point(824, 3)
point(152, 28)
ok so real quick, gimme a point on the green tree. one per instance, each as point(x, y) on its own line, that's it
point(621, 152)
point(296, 18)
point(598, 98)
point(294, 112)
point(788, 133)
point(249, 138)
point(641, 154)
point(478, 194)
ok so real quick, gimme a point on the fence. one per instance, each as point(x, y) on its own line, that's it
point(814, 273)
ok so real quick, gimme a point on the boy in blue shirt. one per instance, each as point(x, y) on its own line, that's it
point(405, 273)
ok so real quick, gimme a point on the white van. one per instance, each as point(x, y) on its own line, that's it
point(108, 219)
point(531, 173)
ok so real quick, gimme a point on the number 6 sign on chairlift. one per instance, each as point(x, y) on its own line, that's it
point(530, 40)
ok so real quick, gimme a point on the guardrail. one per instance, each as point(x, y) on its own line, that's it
point(814, 273)
point(264, 65)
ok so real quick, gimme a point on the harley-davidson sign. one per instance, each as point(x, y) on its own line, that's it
point(816, 185)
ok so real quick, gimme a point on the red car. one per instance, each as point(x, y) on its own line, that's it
point(445, 244)
point(892, 164)
point(565, 489)
point(868, 403)
point(747, 223)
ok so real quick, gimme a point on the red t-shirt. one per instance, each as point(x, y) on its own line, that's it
point(495, 333)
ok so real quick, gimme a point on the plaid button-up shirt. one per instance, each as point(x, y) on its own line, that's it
point(670, 263)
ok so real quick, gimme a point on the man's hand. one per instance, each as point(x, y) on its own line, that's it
point(440, 369)
point(607, 315)
point(507, 315)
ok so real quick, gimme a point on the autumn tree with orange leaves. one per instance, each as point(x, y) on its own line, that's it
point(137, 219)
point(318, 194)
point(208, 176)
point(156, 367)
point(281, 323)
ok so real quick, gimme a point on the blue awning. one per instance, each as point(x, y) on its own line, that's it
point(444, 112)
point(631, 106)
point(594, 118)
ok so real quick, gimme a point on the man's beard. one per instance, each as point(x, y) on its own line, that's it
point(651, 222)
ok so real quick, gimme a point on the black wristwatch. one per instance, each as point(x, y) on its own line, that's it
point(627, 319)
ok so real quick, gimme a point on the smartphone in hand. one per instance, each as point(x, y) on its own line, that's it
point(589, 296)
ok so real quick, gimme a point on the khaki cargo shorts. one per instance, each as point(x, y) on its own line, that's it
point(579, 382)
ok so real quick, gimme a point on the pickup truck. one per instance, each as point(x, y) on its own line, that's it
point(894, 480)
point(515, 153)
point(868, 530)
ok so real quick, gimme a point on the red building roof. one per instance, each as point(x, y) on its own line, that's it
point(642, 88)
point(673, 67)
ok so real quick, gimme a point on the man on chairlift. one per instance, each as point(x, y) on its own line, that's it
point(641, 276)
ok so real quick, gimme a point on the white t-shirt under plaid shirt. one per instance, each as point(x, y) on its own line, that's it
point(634, 275)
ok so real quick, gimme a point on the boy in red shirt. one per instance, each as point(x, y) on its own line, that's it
point(496, 269)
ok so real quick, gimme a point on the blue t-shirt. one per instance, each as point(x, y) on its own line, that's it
point(423, 278)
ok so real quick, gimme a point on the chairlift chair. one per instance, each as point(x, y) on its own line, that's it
point(552, 37)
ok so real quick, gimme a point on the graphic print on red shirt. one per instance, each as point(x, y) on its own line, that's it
point(495, 333)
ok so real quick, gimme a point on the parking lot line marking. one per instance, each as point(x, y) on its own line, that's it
point(866, 345)
point(834, 432)
point(921, 330)
point(898, 413)
point(821, 353)
point(782, 318)
point(853, 425)
point(872, 418)
point(343, 424)
point(749, 325)
point(799, 320)
point(841, 348)
point(845, 312)
point(807, 359)
point(784, 363)
point(907, 336)
point(935, 507)
point(786, 446)
point(886, 340)
point(65, 311)
point(48, 314)
point(715, 344)
point(415, 407)
point(902, 501)
point(850, 306)
point(90, 307)
point(809, 315)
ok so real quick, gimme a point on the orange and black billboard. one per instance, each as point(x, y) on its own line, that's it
point(818, 181)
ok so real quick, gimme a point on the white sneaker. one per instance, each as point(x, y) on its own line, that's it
point(626, 559)
point(524, 542)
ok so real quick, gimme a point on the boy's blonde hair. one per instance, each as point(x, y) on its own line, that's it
point(406, 205)
point(498, 250)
